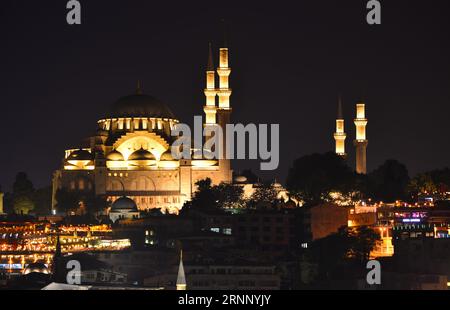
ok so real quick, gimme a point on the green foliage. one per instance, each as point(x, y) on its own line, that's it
point(362, 239)
point(264, 197)
point(348, 249)
point(214, 198)
point(313, 177)
point(23, 194)
point(68, 201)
point(432, 182)
point(389, 182)
point(43, 200)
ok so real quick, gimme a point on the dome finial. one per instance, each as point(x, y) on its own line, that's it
point(138, 88)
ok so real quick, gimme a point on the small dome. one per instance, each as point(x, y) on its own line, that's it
point(167, 156)
point(240, 179)
point(80, 155)
point(141, 155)
point(124, 203)
point(115, 156)
point(36, 268)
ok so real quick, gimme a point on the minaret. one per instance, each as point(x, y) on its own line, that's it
point(56, 265)
point(181, 278)
point(339, 135)
point(224, 109)
point(1, 202)
point(210, 107)
point(210, 91)
point(361, 142)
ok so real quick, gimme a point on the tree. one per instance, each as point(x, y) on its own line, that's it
point(43, 200)
point(215, 198)
point(313, 177)
point(362, 239)
point(22, 185)
point(67, 200)
point(347, 250)
point(431, 182)
point(265, 196)
point(389, 182)
point(95, 203)
point(229, 196)
point(23, 192)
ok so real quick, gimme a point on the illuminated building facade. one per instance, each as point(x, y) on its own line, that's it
point(130, 153)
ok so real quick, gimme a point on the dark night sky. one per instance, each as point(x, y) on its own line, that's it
point(290, 61)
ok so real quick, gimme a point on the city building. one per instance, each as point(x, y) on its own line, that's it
point(271, 229)
point(130, 153)
point(213, 273)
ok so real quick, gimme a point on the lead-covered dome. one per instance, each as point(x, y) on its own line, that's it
point(140, 105)
point(115, 155)
point(124, 203)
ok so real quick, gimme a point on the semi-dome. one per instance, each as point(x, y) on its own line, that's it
point(140, 105)
point(115, 156)
point(141, 155)
point(80, 155)
point(167, 156)
point(36, 268)
point(124, 203)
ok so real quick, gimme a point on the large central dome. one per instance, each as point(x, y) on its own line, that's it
point(140, 105)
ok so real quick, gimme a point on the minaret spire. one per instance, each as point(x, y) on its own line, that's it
point(210, 91)
point(361, 141)
point(138, 88)
point(181, 278)
point(340, 115)
point(340, 135)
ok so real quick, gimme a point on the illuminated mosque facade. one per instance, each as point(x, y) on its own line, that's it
point(130, 153)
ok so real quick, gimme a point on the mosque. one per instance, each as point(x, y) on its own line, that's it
point(130, 155)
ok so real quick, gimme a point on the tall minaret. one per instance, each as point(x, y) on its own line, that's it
point(361, 141)
point(340, 135)
point(210, 91)
point(1, 202)
point(224, 109)
point(181, 278)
